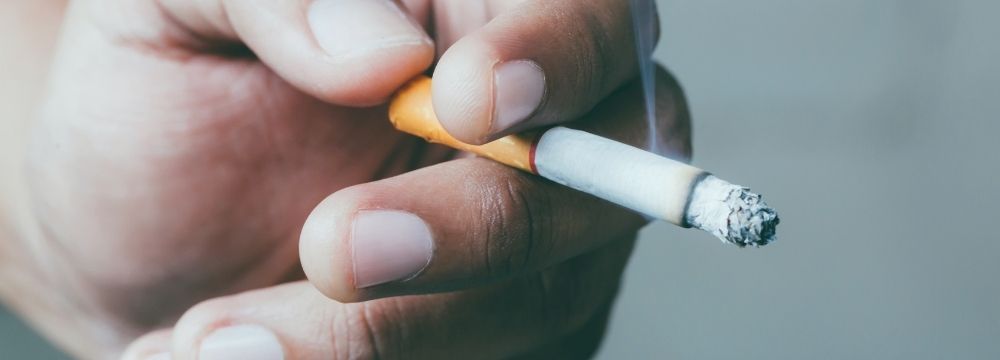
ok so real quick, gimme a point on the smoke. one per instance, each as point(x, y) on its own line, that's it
point(644, 26)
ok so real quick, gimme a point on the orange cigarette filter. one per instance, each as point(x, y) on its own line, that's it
point(412, 112)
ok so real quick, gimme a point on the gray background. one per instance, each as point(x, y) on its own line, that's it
point(880, 122)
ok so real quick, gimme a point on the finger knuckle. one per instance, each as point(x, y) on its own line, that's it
point(518, 226)
point(369, 331)
point(600, 43)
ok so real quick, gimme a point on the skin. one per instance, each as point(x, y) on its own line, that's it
point(184, 171)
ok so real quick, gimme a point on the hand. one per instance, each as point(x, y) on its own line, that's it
point(184, 143)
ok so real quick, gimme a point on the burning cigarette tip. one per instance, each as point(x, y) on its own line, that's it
point(751, 221)
point(732, 213)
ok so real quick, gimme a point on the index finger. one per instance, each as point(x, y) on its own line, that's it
point(537, 63)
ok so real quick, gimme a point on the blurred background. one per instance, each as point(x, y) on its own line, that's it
point(880, 123)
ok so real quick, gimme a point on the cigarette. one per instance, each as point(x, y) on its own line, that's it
point(652, 185)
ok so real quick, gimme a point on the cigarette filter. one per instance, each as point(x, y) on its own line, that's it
point(650, 184)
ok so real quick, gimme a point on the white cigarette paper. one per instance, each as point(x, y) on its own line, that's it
point(652, 185)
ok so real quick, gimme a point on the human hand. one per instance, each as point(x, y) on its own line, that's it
point(184, 143)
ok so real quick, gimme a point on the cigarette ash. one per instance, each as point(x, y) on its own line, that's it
point(732, 213)
point(751, 222)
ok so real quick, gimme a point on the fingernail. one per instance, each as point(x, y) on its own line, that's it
point(518, 90)
point(249, 342)
point(389, 246)
point(348, 28)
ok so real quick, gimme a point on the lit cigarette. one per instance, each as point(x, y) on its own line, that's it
point(650, 184)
